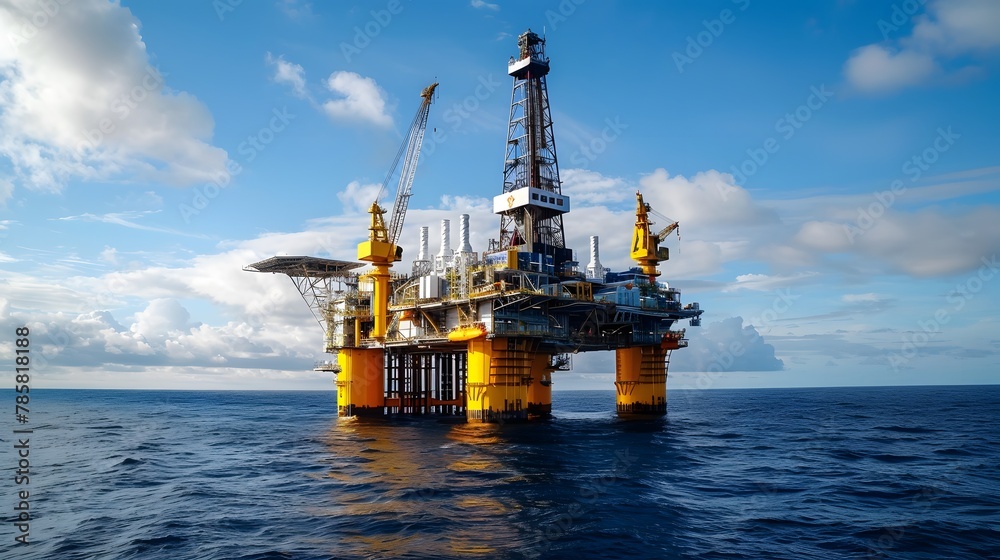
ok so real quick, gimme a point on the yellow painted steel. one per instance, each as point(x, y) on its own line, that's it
point(380, 300)
point(497, 382)
point(360, 384)
point(381, 253)
point(540, 389)
point(468, 332)
point(641, 380)
point(646, 250)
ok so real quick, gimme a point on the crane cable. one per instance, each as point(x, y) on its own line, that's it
point(399, 154)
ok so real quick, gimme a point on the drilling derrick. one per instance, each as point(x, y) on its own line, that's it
point(482, 334)
point(531, 206)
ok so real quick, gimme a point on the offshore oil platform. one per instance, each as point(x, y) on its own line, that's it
point(481, 333)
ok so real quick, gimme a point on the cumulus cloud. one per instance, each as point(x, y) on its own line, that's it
point(79, 99)
point(726, 345)
point(715, 217)
point(939, 42)
point(361, 99)
point(706, 200)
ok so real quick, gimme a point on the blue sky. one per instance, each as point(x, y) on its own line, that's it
point(833, 166)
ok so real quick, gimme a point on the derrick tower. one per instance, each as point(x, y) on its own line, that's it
point(532, 205)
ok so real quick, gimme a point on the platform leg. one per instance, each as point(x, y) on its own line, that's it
point(641, 380)
point(360, 383)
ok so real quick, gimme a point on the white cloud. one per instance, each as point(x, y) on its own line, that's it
point(715, 215)
point(949, 242)
point(876, 69)
point(767, 282)
point(725, 346)
point(358, 197)
point(860, 298)
point(825, 236)
point(590, 187)
point(958, 26)
point(362, 99)
point(707, 200)
point(482, 4)
point(288, 73)
point(109, 255)
point(161, 318)
point(80, 100)
point(940, 41)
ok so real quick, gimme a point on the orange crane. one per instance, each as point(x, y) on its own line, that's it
point(380, 249)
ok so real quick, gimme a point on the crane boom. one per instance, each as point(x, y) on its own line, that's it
point(667, 231)
point(380, 249)
point(415, 140)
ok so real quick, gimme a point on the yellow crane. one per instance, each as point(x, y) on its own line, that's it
point(646, 250)
point(380, 249)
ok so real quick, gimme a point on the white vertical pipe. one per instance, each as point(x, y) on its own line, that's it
point(464, 232)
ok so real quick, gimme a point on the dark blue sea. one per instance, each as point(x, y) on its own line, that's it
point(902, 472)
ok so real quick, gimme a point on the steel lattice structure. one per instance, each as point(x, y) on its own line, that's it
point(531, 152)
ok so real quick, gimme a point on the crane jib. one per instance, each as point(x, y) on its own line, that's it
point(411, 146)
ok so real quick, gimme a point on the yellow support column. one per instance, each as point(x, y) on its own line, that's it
point(380, 300)
point(360, 383)
point(540, 390)
point(496, 386)
point(641, 380)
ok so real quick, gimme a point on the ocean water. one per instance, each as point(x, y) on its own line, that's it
point(911, 472)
